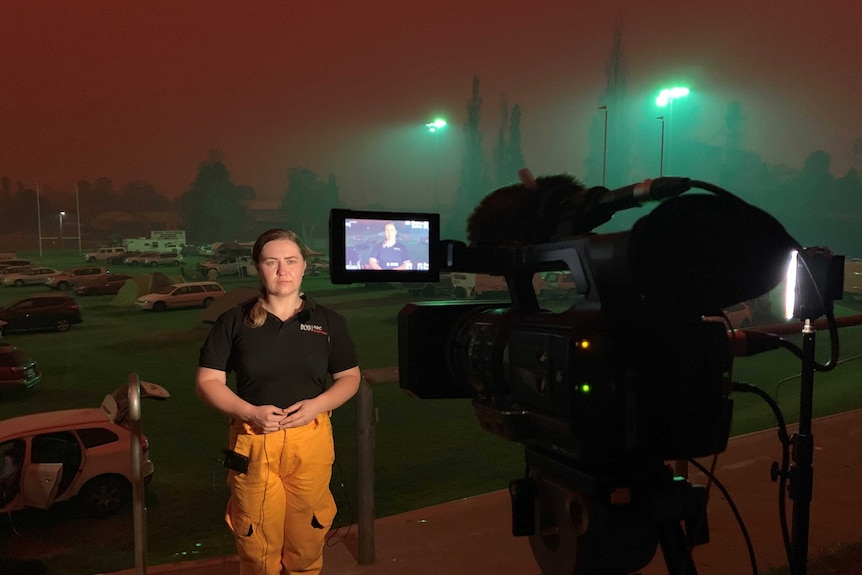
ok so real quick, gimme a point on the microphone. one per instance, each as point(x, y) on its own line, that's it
point(633, 195)
point(596, 206)
point(303, 316)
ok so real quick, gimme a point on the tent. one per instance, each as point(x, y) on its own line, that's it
point(221, 304)
point(232, 249)
point(142, 285)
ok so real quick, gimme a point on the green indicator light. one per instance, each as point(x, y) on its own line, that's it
point(585, 388)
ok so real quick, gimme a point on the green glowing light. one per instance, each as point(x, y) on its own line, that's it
point(437, 124)
point(668, 94)
point(585, 388)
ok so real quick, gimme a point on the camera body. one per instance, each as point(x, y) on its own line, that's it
point(605, 382)
point(602, 393)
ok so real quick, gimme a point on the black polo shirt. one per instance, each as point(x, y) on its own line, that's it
point(280, 362)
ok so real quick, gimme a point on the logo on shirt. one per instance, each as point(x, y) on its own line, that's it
point(313, 328)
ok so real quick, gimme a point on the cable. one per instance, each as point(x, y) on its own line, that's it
point(334, 533)
point(265, 550)
point(782, 474)
point(734, 509)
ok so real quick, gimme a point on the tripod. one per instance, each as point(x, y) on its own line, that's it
point(607, 523)
point(801, 471)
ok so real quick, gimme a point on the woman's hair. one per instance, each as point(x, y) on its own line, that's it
point(257, 314)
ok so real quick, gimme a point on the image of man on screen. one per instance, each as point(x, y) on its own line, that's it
point(390, 254)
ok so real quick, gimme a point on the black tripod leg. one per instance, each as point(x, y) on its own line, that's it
point(674, 547)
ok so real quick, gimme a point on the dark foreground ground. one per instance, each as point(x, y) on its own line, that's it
point(473, 536)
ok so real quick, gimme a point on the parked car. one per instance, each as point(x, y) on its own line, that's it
point(162, 259)
point(6, 264)
point(60, 455)
point(17, 370)
point(104, 284)
point(427, 289)
point(18, 268)
point(120, 258)
point(32, 276)
point(69, 278)
point(103, 254)
point(137, 260)
point(41, 312)
point(224, 266)
point(188, 294)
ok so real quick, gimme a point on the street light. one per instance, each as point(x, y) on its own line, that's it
point(435, 127)
point(62, 215)
point(605, 146)
point(668, 95)
point(665, 100)
point(661, 152)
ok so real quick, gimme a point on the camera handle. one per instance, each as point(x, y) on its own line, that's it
point(801, 472)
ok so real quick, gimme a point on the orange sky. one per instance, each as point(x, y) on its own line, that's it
point(133, 90)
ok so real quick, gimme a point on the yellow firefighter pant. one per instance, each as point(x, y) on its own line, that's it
point(281, 509)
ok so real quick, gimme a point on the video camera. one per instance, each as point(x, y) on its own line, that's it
point(602, 393)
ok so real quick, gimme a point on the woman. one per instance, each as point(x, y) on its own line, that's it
point(284, 349)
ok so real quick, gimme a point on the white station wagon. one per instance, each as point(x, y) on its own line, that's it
point(49, 457)
point(188, 294)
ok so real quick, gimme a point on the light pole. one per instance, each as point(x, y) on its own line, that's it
point(661, 149)
point(605, 146)
point(665, 99)
point(62, 215)
point(435, 127)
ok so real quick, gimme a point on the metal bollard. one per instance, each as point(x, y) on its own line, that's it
point(365, 423)
point(138, 499)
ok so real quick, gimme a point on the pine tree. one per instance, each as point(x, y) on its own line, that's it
point(211, 209)
point(473, 183)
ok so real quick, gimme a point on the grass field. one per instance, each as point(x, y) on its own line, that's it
point(427, 452)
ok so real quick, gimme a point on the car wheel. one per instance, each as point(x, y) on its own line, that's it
point(206, 302)
point(63, 325)
point(175, 263)
point(91, 259)
point(160, 306)
point(19, 283)
point(90, 291)
point(104, 495)
point(153, 264)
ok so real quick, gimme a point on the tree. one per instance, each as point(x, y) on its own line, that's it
point(473, 183)
point(501, 150)
point(307, 202)
point(211, 209)
point(139, 195)
point(516, 155)
point(615, 160)
point(507, 154)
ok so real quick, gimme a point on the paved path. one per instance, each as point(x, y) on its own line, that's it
point(472, 536)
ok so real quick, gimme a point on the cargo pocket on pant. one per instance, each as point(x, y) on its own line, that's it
point(240, 524)
point(324, 515)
